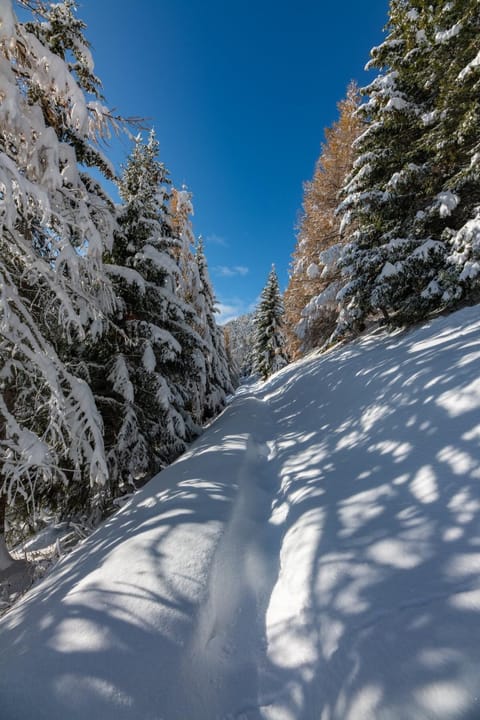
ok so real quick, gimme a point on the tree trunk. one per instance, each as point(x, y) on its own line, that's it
point(5, 558)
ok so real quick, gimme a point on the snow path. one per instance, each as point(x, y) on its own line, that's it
point(315, 555)
point(229, 636)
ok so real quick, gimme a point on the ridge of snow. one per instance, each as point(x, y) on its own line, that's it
point(468, 68)
point(443, 36)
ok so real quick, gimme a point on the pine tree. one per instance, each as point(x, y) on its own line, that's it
point(181, 210)
point(54, 292)
point(232, 365)
point(415, 184)
point(241, 343)
point(147, 391)
point(454, 143)
point(218, 373)
point(190, 289)
point(270, 344)
point(310, 305)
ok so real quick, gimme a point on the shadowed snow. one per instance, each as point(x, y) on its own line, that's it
point(315, 555)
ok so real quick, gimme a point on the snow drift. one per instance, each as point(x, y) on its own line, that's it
point(315, 555)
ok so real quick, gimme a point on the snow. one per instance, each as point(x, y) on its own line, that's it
point(397, 103)
point(445, 35)
point(430, 117)
point(421, 37)
point(429, 246)
point(329, 259)
point(470, 270)
point(447, 202)
point(432, 290)
point(389, 270)
point(130, 275)
point(149, 360)
point(313, 271)
point(326, 298)
point(468, 68)
point(7, 20)
point(313, 556)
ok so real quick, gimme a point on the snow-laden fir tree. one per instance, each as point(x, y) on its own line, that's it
point(454, 142)
point(53, 291)
point(270, 353)
point(145, 391)
point(241, 339)
point(415, 183)
point(218, 372)
point(232, 365)
point(190, 289)
point(311, 308)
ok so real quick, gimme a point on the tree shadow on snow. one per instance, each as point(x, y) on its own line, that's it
point(105, 633)
point(381, 476)
point(177, 609)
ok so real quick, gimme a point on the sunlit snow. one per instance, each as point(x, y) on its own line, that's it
point(315, 555)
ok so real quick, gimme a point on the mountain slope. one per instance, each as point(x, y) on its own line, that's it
point(315, 555)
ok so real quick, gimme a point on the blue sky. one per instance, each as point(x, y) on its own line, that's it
point(239, 94)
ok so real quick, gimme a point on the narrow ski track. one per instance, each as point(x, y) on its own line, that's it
point(228, 647)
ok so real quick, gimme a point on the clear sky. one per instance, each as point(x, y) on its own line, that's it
point(239, 94)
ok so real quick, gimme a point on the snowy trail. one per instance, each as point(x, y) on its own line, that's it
point(315, 555)
point(229, 636)
point(181, 576)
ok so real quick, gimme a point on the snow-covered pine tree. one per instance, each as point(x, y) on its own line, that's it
point(453, 141)
point(232, 365)
point(218, 373)
point(53, 289)
point(145, 390)
point(401, 198)
point(181, 209)
point(390, 262)
point(189, 288)
point(310, 298)
point(241, 342)
point(270, 345)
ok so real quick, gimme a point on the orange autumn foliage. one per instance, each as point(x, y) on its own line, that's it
point(319, 226)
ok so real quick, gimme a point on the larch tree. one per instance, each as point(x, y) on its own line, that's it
point(54, 292)
point(270, 353)
point(310, 305)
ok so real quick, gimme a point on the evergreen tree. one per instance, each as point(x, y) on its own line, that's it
point(233, 367)
point(152, 365)
point(241, 342)
point(218, 372)
point(189, 288)
point(181, 209)
point(415, 184)
point(454, 143)
point(310, 304)
point(270, 344)
point(53, 289)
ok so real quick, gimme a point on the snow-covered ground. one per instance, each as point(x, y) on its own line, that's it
point(315, 555)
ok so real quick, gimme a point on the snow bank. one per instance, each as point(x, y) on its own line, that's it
point(314, 556)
